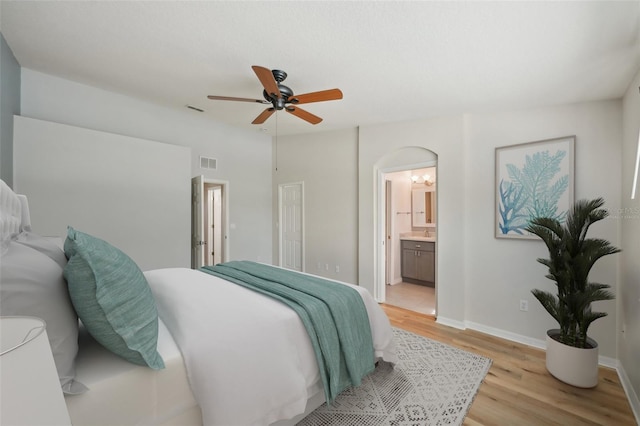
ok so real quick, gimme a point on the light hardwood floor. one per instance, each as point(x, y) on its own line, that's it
point(518, 390)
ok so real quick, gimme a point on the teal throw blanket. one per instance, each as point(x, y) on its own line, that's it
point(333, 314)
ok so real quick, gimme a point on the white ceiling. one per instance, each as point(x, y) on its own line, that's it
point(394, 61)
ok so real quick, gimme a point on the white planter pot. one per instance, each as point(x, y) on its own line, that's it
point(575, 366)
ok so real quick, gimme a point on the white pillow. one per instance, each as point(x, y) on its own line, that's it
point(44, 245)
point(25, 218)
point(32, 284)
point(10, 215)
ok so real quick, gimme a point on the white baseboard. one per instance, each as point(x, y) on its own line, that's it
point(514, 337)
point(632, 396)
point(451, 323)
point(608, 362)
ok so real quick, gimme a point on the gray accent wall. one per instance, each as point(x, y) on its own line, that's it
point(9, 105)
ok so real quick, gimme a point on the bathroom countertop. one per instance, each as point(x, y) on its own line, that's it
point(418, 238)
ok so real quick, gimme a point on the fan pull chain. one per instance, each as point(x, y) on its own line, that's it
point(276, 140)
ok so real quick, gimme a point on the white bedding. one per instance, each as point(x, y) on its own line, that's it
point(249, 359)
point(122, 393)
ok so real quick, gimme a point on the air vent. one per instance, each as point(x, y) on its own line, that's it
point(208, 163)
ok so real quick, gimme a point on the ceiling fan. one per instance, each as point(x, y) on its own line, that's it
point(282, 97)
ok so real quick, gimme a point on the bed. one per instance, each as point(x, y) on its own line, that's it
point(221, 353)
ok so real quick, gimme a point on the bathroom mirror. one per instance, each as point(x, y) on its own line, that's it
point(423, 208)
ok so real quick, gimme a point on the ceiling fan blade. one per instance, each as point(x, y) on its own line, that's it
point(263, 116)
point(268, 81)
point(323, 95)
point(230, 98)
point(305, 115)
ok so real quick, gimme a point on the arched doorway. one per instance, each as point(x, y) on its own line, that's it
point(387, 241)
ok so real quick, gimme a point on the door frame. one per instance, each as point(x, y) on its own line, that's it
point(302, 224)
point(380, 237)
point(388, 228)
point(226, 253)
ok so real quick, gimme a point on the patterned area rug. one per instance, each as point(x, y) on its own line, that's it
point(432, 384)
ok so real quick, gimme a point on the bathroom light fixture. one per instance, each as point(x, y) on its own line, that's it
point(426, 179)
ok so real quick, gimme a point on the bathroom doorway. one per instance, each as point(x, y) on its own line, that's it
point(410, 210)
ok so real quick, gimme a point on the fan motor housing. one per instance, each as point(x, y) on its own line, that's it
point(285, 91)
point(279, 102)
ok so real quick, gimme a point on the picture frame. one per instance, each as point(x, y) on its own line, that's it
point(533, 179)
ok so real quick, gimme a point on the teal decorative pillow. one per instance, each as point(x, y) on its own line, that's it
point(112, 298)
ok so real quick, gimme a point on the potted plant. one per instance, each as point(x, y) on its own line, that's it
point(572, 356)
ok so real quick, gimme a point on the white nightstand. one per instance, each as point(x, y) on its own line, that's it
point(30, 392)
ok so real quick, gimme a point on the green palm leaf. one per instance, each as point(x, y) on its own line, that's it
point(571, 257)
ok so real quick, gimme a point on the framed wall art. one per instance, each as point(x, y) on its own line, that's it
point(534, 179)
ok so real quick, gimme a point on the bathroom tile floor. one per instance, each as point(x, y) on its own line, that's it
point(417, 298)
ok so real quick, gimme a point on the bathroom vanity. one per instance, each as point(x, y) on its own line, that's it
point(418, 260)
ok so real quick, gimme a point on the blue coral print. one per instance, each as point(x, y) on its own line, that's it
point(532, 191)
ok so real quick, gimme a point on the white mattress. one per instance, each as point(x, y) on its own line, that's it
point(122, 393)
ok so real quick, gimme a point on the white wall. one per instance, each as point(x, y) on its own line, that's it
point(409, 143)
point(131, 192)
point(326, 163)
point(244, 158)
point(629, 293)
point(500, 272)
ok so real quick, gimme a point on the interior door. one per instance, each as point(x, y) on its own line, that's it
point(208, 225)
point(213, 224)
point(198, 242)
point(217, 225)
point(388, 230)
point(291, 226)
